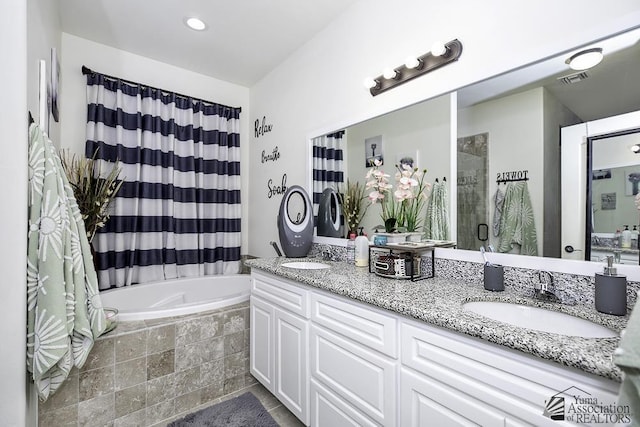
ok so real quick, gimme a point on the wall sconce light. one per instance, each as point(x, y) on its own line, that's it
point(635, 148)
point(585, 59)
point(441, 54)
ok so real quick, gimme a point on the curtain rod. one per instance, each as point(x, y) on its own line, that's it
point(87, 70)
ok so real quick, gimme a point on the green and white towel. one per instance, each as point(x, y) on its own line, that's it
point(64, 310)
point(436, 222)
point(517, 227)
point(627, 357)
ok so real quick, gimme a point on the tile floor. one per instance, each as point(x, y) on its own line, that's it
point(278, 411)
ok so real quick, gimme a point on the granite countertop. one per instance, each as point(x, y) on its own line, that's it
point(630, 250)
point(439, 301)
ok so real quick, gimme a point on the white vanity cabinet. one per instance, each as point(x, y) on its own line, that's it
point(336, 362)
point(279, 341)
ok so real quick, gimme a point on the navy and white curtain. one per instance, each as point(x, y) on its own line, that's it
point(328, 168)
point(178, 211)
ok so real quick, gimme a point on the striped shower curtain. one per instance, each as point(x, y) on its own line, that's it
point(178, 211)
point(328, 169)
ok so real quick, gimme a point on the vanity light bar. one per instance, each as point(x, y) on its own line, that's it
point(425, 63)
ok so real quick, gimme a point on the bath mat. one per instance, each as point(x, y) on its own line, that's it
point(244, 410)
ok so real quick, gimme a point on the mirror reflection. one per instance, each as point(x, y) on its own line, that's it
point(514, 121)
point(615, 189)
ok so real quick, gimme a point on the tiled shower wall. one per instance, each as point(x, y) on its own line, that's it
point(145, 372)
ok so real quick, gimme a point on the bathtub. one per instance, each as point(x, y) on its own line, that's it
point(177, 297)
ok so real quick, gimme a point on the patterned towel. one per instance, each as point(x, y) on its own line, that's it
point(436, 222)
point(64, 311)
point(497, 215)
point(627, 357)
point(517, 227)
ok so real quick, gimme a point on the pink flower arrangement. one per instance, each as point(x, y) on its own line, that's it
point(408, 199)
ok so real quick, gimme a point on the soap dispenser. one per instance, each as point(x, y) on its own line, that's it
point(625, 242)
point(362, 250)
point(611, 291)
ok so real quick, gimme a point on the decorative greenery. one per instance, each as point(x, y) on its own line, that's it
point(353, 205)
point(378, 183)
point(93, 192)
point(405, 207)
point(412, 194)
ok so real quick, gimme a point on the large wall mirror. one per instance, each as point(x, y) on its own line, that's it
point(508, 129)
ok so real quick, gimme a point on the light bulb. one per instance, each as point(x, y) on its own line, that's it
point(389, 73)
point(438, 48)
point(195, 24)
point(369, 83)
point(411, 62)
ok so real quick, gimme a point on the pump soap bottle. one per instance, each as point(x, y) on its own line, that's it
point(611, 291)
point(625, 241)
point(362, 250)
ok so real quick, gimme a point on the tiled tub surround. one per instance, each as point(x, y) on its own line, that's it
point(439, 301)
point(147, 372)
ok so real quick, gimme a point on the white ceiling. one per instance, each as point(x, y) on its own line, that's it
point(613, 82)
point(245, 39)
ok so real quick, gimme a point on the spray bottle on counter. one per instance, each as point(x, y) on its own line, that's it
point(351, 248)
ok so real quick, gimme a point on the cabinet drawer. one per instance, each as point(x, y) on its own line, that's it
point(363, 378)
point(356, 322)
point(515, 383)
point(329, 410)
point(289, 296)
point(425, 402)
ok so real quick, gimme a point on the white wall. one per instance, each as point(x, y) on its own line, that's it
point(13, 215)
point(77, 52)
point(421, 129)
point(319, 88)
point(555, 116)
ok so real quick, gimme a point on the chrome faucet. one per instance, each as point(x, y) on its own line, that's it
point(545, 288)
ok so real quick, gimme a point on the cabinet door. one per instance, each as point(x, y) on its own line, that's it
point(425, 402)
point(291, 343)
point(363, 378)
point(261, 345)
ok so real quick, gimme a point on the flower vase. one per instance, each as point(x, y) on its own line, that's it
point(390, 225)
point(414, 236)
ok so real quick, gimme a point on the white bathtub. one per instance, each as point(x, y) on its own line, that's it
point(177, 297)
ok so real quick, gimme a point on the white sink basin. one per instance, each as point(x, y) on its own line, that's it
point(305, 265)
point(539, 319)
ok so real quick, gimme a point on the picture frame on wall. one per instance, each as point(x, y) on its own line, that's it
point(631, 181)
point(54, 84)
point(373, 150)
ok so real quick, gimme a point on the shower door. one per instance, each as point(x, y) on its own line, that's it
point(473, 228)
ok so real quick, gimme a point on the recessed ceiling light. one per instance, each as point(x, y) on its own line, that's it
point(195, 24)
point(585, 59)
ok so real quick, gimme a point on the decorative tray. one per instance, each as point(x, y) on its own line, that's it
point(420, 245)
